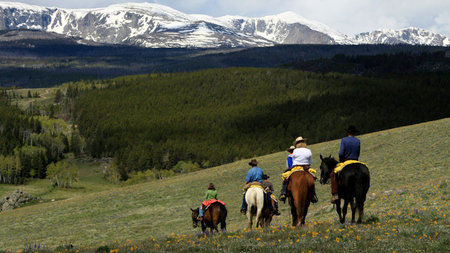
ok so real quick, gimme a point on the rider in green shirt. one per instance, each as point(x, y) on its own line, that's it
point(211, 193)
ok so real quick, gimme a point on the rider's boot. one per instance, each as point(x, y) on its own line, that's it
point(314, 198)
point(334, 198)
point(283, 192)
point(334, 188)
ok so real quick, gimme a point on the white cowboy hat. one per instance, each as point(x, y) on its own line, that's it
point(300, 139)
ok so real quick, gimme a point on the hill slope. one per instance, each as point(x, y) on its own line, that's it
point(408, 167)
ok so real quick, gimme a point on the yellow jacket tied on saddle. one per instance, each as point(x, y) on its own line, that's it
point(340, 166)
point(287, 174)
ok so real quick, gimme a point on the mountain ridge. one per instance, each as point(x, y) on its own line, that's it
point(156, 25)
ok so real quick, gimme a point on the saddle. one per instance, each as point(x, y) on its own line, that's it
point(341, 166)
point(253, 184)
point(287, 174)
point(207, 203)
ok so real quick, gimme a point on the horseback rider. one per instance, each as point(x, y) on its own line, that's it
point(301, 157)
point(349, 150)
point(211, 193)
point(268, 186)
point(289, 158)
point(255, 174)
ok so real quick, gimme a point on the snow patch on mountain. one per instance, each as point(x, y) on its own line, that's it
point(156, 25)
point(410, 35)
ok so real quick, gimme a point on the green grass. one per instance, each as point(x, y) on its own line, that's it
point(46, 97)
point(90, 181)
point(407, 203)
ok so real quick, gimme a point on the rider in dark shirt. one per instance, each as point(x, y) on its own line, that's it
point(350, 150)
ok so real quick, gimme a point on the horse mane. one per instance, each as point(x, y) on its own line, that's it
point(330, 161)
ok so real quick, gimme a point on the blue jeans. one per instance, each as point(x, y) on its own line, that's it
point(200, 212)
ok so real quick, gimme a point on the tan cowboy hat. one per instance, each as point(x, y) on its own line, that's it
point(290, 148)
point(300, 139)
point(253, 162)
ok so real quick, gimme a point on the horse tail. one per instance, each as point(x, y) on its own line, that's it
point(301, 192)
point(361, 191)
point(223, 217)
point(260, 198)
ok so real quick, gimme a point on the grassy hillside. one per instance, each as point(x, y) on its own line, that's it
point(407, 206)
point(90, 180)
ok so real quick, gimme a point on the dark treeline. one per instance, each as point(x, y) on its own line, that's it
point(402, 63)
point(211, 117)
point(45, 63)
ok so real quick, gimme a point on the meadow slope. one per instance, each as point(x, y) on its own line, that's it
point(409, 193)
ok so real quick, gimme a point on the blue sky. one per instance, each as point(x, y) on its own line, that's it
point(346, 16)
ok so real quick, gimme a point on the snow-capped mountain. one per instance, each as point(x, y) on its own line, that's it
point(141, 24)
point(411, 35)
point(287, 28)
point(155, 25)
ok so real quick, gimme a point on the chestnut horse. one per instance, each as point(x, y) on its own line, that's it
point(300, 192)
point(215, 214)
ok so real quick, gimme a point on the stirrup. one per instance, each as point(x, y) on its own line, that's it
point(283, 197)
point(334, 198)
point(314, 199)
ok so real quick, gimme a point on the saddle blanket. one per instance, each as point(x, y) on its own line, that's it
point(251, 185)
point(207, 203)
point(340, 166)
point(287, 174)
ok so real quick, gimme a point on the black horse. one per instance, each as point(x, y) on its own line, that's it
point(215, 214)
point(353, 183)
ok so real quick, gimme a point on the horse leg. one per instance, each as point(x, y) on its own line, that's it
point(203, 227)
point(360, 207)
point(338, 210)
point(294, 216)
point(344, 210)
point(353, 206)
point(223, 226)
point(258, 216)
point(304, 212)
point(250, 218)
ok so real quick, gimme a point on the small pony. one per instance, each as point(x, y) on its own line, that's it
point(216, 213)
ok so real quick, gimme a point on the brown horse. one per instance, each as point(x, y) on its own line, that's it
point(300, 192)
point(215, 214)
point(266, 217)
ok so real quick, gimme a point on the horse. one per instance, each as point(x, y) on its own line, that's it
point(353, 184)
point(300, 192)
point(255, 198)
point(215, 214)
point(266, 215)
